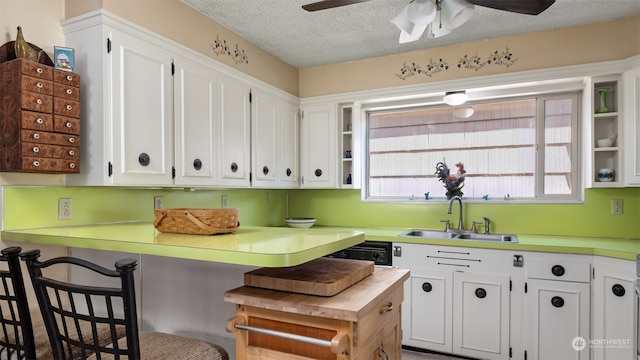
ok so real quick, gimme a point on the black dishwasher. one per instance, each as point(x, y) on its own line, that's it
point(377, 251)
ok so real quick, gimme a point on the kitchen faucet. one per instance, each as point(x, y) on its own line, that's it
point(456, 197)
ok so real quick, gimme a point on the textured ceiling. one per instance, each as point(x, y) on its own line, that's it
point(359, 31)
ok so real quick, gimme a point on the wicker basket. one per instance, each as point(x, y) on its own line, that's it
point(196, 221)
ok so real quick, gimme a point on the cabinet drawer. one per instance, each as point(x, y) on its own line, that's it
point(66, 92)
point(43, 137)
point(67, 125)
point(36, 102)
point(386, 309)
point(50, 151)
point(66, 78)
point(562, 270)
point(36, 69)
point(66, 107)
point(37, 85)
point(36, 121)
point(37, 164)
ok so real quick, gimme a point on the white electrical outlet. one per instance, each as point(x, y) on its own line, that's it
point(617, 207)
point(64, 209)
point(157, 202)
point(223, 202)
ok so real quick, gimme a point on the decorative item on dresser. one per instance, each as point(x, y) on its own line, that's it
point(40, 118)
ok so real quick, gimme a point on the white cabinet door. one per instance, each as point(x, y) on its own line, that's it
point(265, 125)
point(481, 315)
point(274, 141)
point(614, 309)
point(234, 132)
point(288, 171)
point(196, 118)
point(429, 316)
point(142, 112)
point(631, 96)
point(318, 147)
point(558, 322)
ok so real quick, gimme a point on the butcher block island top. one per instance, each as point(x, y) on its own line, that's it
point(249, 245)
point(360, 322)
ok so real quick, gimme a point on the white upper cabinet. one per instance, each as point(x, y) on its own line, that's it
point(631, 81)
point(234, 132)
point(158, 114)
point(274, 141)
point(196, 118)
point(318, 146)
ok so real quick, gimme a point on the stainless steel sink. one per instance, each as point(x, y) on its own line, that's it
point(453, 235)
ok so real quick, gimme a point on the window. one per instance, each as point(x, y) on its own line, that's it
point(523, 148)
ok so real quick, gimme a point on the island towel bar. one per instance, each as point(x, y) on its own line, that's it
point(339, 344)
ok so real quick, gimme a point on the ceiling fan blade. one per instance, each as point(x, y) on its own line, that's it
point(328, 4)
point(529, 7)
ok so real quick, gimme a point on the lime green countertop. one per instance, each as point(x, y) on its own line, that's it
point(249, 245)
point(611, 247)
point(282, 246)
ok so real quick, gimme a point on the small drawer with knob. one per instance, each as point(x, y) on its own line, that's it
point(561, 270)
point(35, 69)
point(50, 165)
point(50, 151)
point(36, 85)
point(66, 92)
point(33, 101)
point(66, 78)
point(66, 124)
point(66, 107)
point(36, 121)
point(44, 137)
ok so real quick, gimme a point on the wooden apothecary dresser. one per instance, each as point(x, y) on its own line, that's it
point(361, 322)
point(39, 118)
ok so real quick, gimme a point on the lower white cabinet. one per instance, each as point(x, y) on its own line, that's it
point(557, 305)
point(481, 315)
point(457, 300)
point(614, 313)
point(558, 326)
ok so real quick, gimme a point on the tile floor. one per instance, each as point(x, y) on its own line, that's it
point(414, 355)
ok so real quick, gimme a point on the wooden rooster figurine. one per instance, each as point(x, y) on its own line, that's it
point(24, 50)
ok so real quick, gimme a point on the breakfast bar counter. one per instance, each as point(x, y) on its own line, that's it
point(249, 245)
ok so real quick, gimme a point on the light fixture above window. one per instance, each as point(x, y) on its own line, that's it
point(438, 17)
point(455, 98)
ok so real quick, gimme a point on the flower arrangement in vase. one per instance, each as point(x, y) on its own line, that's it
point(453, 183)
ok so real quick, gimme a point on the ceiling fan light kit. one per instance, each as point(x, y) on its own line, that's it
point(456, 12)
point(455, 98)
point(438, 17)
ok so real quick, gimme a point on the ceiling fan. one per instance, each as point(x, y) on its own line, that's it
point(530, 7)
point(420, 15)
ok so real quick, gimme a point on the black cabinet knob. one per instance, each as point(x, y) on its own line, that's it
point(318, 172)
point(427, 287)
point(144, 159)
point(234, 167)
point(557, 270)
point(481, 293)
point(197, 164)
point(288, 172)
point(618, 290)
point(557, 301)
point(265, 170)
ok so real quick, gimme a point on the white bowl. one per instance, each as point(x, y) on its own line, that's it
point(606, 142)
point(300, 222)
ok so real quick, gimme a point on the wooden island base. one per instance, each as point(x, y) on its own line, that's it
point(361, 322)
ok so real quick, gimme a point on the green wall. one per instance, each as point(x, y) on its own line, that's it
point(37, 206)
point(593, 218)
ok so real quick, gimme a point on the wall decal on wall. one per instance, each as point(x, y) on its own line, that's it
point(433, 67)
point(467, 62)
point(220, 47)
